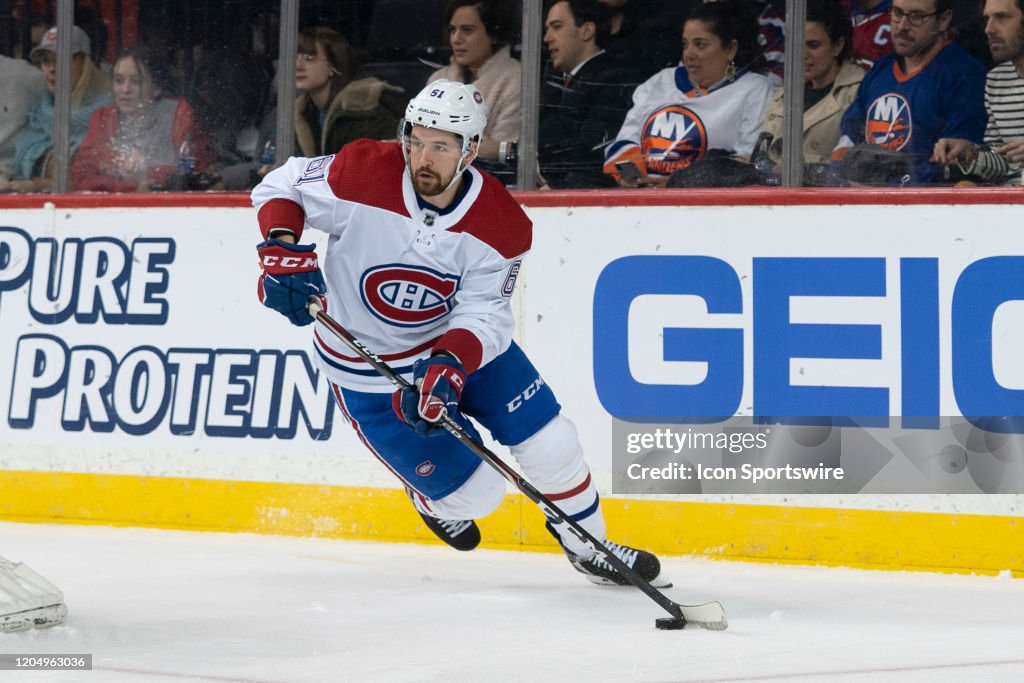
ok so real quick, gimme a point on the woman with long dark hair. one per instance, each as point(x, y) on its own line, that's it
point(479, 33)
point(715, 100)
point(831, 80)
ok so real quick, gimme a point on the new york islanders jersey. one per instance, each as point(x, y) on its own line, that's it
point(911, 111)
point(401, 275)
point(672, 123)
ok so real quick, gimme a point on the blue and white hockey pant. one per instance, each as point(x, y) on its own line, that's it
point(509, 399)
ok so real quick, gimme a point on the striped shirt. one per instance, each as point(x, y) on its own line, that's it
point(1004, 104)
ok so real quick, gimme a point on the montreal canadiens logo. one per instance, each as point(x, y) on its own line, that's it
point(425, 468)
point(408, 296)
point(671, 138)
point(888, 122)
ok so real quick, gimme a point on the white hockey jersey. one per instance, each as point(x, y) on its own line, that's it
point(401, 276)
point(672, 123)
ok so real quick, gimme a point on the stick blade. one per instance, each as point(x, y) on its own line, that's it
point(709, 616)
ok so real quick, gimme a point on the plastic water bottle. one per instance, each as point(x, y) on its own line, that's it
point(186, 157)
point(268, 157)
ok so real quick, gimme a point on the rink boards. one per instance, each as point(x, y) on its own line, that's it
point(147, 386)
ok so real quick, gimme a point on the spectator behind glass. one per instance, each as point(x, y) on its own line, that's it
point(872, 32)
point(33, 171)
point(830, 84)
point(715, 101)
point(584, 95)
point(135, 143)
point(334, 108)
point(21, 86)
point(479, 33)
point(1000, 159)
point(926, 89)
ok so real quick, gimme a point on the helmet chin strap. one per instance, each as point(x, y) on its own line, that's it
point(459, 169)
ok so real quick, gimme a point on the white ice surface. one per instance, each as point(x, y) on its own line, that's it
point(177, 606)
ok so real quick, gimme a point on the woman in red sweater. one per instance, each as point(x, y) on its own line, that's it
point(133, 145)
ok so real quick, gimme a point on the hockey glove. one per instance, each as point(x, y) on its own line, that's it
point(291, 274)
point(440, 380)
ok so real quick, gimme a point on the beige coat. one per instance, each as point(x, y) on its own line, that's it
point(821, 122)
point(499, 81)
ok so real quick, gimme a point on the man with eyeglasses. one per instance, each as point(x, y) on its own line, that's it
point(1000, 159)
point(928, 88)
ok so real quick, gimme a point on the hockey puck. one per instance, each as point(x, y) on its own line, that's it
point(670, 624)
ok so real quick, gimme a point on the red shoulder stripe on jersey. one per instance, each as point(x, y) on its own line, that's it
point(464, 345)
point(281, 213)
point(496, 219)
point(369, 172)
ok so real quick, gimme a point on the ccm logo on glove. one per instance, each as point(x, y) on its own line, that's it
point(291, 274)
point(275, 263)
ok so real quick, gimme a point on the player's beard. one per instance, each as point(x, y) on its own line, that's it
point(428, 188)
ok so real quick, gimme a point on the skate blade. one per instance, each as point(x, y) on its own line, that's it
point(42, 617)
point(657, 582)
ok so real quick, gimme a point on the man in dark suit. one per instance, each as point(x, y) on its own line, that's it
point(585, 95)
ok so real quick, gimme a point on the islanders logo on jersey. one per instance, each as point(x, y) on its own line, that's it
point(888, 122)
point(672, 138)
point(408, 296)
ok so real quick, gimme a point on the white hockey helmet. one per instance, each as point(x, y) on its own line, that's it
point(448, 105)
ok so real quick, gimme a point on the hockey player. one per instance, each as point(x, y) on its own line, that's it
point(421, 263)
point(27, 600)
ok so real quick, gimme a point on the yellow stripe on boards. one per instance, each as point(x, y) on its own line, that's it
point(763, 533)
point(217, 505)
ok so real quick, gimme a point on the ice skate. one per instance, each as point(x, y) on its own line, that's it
point(461, 534)
point(599, 571)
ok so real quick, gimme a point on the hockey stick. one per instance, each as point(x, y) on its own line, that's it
point(710, 615)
